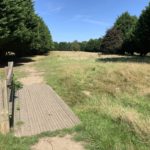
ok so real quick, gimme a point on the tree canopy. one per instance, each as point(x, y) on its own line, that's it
point(112, 42)
point(142, 32)
point(125, 23)
point(93, 45)
point(21, 30)
point(116, 36)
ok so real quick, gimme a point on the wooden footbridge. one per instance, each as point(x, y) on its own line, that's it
point(33, 109)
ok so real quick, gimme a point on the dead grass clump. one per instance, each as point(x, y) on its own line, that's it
point(137, 122)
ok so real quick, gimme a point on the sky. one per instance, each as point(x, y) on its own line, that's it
point(81, 20)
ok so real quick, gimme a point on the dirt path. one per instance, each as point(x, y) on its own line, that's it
point(58, 143)
point(33, 76)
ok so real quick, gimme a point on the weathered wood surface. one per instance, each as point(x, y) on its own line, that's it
point(38, 109)
point(6, 95)
point(9, 73)
point(4, 114)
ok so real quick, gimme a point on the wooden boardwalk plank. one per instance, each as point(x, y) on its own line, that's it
point(41, 110)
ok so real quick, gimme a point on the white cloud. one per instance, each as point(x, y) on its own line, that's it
point(89, 19)
point(56, 9)
point(92, 21)
point(80, 17)
point(48, 8)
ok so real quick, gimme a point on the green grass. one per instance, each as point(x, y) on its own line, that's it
point(9, 142)
point(20, 73)
point(110, 98)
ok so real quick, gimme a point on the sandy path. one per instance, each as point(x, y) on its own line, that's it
point(58, 143)
point(33, 75)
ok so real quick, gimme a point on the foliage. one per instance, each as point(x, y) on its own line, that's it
point(118, 39)
point(41, 38)
point(17, 84)
point(55, 46)
point(83, 45)
point(129, 44)
point(125, 23)
point(20, 27)
point(112, 42)
point(142, 32)
point(64, 46)
point(75, 46)
point(93, 45)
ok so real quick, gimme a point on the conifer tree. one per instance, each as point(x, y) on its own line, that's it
point(142, 32)
point(19, 25)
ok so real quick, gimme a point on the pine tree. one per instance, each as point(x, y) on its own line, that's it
point(41, 38)
point(125, 23)
point(20, 27)
point(118, 38)
point(112, 42)
point(142, 32)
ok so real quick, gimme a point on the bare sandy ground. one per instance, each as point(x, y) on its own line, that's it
point(58, 143)
point(33, 76)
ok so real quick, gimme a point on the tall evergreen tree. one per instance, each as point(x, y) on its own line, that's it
point(18, 26)
point(41, 38)
point(112, 42)
point(142, 32)
point(121, 32)
point(125, 23)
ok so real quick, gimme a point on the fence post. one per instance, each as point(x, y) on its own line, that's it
point(6, 92)
point(4, 116)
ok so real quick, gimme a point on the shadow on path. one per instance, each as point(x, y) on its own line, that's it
point(17, 61)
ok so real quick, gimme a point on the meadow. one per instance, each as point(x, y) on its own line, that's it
point(109, 93)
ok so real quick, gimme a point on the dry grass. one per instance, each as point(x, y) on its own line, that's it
point(106, 92)
point(74, 55)
point(109, 93)
point(81, 55)
point(137, 121)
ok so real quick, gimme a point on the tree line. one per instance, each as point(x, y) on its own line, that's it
point(22, 31)
point(129, 34)
point(93, 45)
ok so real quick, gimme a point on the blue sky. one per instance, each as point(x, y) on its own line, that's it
point(70, 20)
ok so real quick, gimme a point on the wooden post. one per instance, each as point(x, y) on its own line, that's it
point(6, 92)
point(4, 116)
